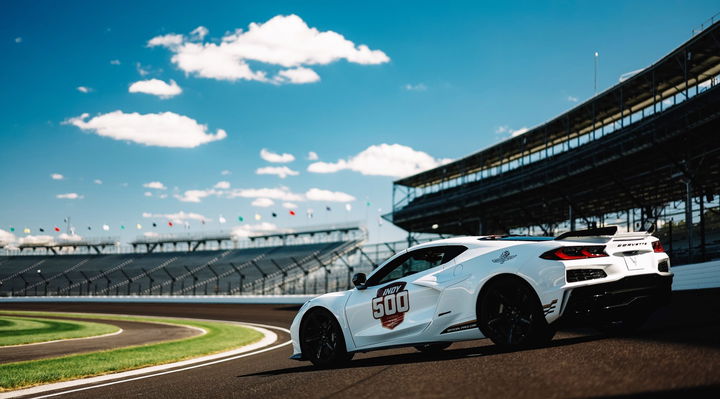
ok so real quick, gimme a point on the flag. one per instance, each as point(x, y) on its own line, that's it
point(240, 219)
point(105, 227)
point(57, 229)
point(89, 228)
point(221, 219)
point(257, 216)
point(170, 224)
point(292, 213)
point(138, 226)
point(26, 230)
point(368, 203)
point(348, 207)
point(274, 214)
point(328, 208)
point(202, 221)
point(154, 224)
point(12, 229)
point(41, 230)
point(310, 213)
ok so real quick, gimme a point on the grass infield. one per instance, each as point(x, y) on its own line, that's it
point(219, 337)
point(22, 330)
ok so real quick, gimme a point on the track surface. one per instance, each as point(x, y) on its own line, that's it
point(677, 354)
point(134, 333)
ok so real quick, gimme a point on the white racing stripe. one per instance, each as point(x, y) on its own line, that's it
point(155, 371)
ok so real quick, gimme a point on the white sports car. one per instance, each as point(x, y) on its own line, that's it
point(511, 289)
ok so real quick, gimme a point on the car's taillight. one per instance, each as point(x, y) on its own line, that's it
point(572, 253)
point(657, 247)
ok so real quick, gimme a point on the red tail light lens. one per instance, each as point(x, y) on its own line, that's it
point(657, 247)
point(572, 253)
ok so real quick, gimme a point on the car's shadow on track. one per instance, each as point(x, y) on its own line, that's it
point(418, 357)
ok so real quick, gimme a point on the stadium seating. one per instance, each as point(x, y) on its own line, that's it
point(256, 270)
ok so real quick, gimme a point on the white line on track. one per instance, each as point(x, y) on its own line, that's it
point(119, 331)
point(118, 378)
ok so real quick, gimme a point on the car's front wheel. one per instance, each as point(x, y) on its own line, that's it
point(321, 339)
point(510, 314)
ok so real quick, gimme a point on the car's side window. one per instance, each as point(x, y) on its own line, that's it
point(415, 262)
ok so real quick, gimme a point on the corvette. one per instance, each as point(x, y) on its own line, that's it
point(511, 289)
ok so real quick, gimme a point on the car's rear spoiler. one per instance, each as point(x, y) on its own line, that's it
point(605, 231)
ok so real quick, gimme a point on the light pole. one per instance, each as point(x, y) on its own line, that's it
point(596, 69)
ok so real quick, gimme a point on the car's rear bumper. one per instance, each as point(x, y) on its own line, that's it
point(625, 296)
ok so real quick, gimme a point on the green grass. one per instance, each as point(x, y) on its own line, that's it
point(21, 330)
point(219, 337)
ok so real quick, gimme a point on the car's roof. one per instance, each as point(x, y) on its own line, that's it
point(478, 240)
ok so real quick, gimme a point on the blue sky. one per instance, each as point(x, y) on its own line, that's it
point(437, 81)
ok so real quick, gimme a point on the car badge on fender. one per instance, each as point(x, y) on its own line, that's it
point(504, 257)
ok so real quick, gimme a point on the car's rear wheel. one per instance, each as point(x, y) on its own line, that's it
point(433, 348)
point(321, 339)
point(510, 314)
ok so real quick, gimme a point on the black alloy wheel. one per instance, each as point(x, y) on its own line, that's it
point(511, 315)
point(321, 339)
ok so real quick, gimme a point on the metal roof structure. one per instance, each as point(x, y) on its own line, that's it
point(648, 140)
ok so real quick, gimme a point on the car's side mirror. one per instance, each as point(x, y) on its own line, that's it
point(358, 281)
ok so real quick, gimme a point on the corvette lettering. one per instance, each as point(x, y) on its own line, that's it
point(390, 305)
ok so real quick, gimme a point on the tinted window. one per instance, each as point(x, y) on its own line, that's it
point(414, 262)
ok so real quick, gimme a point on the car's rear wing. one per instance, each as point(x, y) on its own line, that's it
point(610, 232)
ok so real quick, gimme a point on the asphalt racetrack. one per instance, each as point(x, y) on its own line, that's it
point(677, 354)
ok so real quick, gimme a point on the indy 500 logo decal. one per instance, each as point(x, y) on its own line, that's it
point(390, 304)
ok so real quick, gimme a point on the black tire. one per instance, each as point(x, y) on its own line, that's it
point(510, 314)
point(321, 339)
point(433, 348)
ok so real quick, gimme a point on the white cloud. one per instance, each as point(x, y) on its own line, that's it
point(57, 176)
point(71, 196)
point(165, 129)
point(170, 40)
point(69, 237)
point(148, 194)
point(382, 160)
point(225, 172)
point(98, 181)
point(285, 41)
point(506, 130)
point(572, 99)
point(280, 193)
point(179, 217)
point(114, 62)
point(156, 87)
point(298, 75)
point(289, 205)
point(247, 230)
point(263, 202)
point(415, 87)
point(312, 156)
point(195, 195)
point(156, 185)
point(7, 237)
point(316, 194)
point(199, 33)
point(276, 158)
point(42, 239)
point(163, 196)
point(280, 171)
point(222, 185)
point(142, 71)
point(84, 89)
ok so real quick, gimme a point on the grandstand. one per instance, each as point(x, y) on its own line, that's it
point(269, 264)
point(630, 155)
